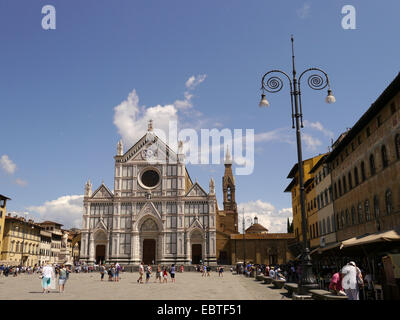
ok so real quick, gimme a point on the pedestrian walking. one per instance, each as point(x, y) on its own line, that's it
point(62, 278)
point(47, 275)
point(141, 271)
point(117, 270)
point(165, 275)
point(102, 271)
point(158, 274)
point(172, 272)
point(181, 268)
point(208, 268)
point(148, 273)
point(352, 280)
point(203, 271)
point(221, 271)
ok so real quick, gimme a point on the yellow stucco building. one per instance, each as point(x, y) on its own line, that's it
point(21, 241)
point(3, 206)
point(310, 197)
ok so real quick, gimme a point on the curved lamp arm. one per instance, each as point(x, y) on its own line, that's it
point(316, 81)
point(274, 84)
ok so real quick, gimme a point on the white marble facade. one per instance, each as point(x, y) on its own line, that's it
point(155, 214)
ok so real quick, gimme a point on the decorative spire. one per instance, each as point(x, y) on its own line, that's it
point(255, 220)
point(88, 188)
point(180, 147)
point(120, 148)
point(150, 125)
point(228, 158)
point(212, 186)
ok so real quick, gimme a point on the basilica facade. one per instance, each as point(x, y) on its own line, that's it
point(155, 213)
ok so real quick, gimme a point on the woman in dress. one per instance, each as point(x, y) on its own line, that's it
point(62, 278)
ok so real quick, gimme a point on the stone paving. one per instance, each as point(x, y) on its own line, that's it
point(188, 286)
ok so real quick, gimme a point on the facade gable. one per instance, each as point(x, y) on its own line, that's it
point(102, 192)
point(196, 191)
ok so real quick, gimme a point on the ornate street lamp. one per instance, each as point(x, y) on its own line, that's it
point(272, 83)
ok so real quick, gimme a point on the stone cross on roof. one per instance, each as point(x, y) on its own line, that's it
point(150, 125)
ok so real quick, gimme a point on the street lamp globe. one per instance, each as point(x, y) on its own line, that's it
point(264, 102)
point(330, 98)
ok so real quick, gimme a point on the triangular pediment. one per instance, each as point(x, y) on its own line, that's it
point(148, 210)
point(196, 224)
point(100, 225)
point(196, 191)
point(149, 149)
point(102, 192)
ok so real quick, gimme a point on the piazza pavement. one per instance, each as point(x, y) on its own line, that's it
point(188, 286)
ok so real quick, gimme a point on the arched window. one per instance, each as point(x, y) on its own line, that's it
point(350, 181)
point(372, 164)
point(376, 206)
point(323, 227)
point(344, 184)
point(360, 213)
point(335, 190)
point(388, 199)
point(363, 177)
point(342, 219)
point(229, 194)
point(356, 176)
point(353, 215)
point(385, 160)
point(397, 144)
point(347, 217)
point(328, 225)
point(333, 224)
point(367, 211)
point(340, 187)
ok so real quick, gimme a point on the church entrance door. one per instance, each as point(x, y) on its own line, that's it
point(100, 253)
point(149, 251)
point(196, 253)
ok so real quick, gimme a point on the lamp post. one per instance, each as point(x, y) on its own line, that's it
point(272, 83)
point(244, 220)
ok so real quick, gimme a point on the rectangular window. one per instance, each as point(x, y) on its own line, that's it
point(368, 132)
point(125, 243)
point(379, 120)
point(393, 108)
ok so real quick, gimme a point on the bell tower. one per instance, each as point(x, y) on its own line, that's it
point(228, 187)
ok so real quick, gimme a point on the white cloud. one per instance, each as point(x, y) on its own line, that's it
point(319, 127)
point(7, 164)
point(311, 143)
point(67, 210)
point(131, 119)
point(194, 81)
point(21, 182)
point(271, 218)
point(304, 11)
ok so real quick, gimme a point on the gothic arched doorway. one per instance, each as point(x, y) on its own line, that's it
point(149, 235)
point(100, 253)
point(196, 253)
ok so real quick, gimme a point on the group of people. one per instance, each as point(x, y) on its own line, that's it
point(349, 280)
point(7, 270)
point(112, 271)
point(161, 273)
point(48, 276)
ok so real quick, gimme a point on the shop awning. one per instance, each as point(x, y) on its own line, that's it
point(391, 235)
point(328, 247)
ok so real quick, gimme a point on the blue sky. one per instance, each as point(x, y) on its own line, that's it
point(59, 88)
